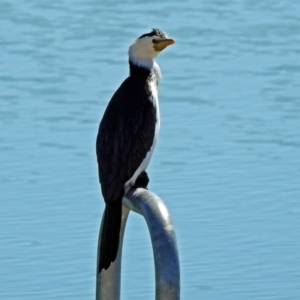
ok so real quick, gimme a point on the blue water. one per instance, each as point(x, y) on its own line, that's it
point(227, 163)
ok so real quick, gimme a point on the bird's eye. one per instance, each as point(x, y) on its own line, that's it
point(154, 41)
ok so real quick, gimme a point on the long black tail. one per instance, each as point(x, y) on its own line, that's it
point(110, 234)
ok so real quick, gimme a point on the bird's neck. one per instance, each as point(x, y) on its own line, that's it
point(139, 71)
point(143, 69)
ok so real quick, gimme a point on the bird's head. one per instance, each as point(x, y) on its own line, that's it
point(148, 46)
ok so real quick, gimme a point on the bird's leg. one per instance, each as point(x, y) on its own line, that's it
point(142, 181)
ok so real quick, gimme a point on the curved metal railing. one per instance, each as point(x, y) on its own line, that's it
point(163, 238)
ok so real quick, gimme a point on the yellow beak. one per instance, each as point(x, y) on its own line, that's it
point(161, 45)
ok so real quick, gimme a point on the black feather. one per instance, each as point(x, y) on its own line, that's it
point(125, 136)
point(154, 32)
point(110, 234)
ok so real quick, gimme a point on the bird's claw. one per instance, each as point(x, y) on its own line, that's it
point(142, 181)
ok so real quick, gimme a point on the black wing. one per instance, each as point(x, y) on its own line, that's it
point(125, 135)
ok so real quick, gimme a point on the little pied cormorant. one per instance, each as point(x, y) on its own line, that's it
point(127, 136)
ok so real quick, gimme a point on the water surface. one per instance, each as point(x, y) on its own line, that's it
point(227, 163)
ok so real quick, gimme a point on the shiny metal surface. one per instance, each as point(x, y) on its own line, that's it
point(161, 229)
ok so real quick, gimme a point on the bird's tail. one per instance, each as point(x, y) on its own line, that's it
point(110, 234)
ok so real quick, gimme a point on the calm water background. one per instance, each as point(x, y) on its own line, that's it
point(227, 163)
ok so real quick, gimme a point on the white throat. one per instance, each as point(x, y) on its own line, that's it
point(141, 62)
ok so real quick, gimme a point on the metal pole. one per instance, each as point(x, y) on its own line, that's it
point(166, 260)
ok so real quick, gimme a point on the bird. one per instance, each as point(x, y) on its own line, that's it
point(127, 136)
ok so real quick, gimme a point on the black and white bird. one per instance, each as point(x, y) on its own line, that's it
point(127, 136)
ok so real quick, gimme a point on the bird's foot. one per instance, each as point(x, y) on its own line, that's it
point(142, 181)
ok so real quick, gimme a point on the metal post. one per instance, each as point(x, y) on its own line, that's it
point(166, 260)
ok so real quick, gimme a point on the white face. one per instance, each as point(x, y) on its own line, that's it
point(143, 49)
